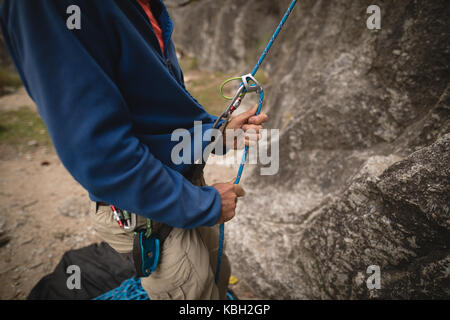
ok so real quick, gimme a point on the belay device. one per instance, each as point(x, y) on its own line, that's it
point(248, 84)
point(145, 253)
point(147, 247)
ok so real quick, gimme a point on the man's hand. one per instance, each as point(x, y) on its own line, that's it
point(229, 192)
point(249, 123)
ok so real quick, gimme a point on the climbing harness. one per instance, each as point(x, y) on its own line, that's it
point(147, 242)
point(248, 84)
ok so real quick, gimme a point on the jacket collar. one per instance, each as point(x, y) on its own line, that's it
point(166, 23)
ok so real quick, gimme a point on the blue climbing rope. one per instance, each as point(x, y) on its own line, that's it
point(260, 103)
point(275, 35)
point(130, 289)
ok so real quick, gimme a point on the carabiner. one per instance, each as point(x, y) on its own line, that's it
point(245, 87)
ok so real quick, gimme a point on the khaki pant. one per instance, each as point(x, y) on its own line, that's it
point(187, 264)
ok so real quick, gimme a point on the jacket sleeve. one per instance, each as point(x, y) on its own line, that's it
point(72, 82)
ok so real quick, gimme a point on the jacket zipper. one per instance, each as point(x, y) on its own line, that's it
point(169, 66)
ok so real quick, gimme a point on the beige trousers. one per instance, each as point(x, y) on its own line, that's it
point(187, 264)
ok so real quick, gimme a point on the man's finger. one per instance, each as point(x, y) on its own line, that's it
point(251, 128)
point(259, 119)
point(244, 116)
point(239, 191)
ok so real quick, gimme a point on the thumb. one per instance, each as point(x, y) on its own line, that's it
point(239, 190)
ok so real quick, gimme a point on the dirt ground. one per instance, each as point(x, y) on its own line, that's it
point(44, 211)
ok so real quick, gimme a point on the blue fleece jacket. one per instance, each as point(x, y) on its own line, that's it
point(111, 100)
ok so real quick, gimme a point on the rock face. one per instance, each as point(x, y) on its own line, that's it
point(364, 118)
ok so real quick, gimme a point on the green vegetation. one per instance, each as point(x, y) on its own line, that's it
point(204, 85)
point(23, 128)
point(205, 89)
point(188, 64)
point(262, 77)
point(8, 79)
